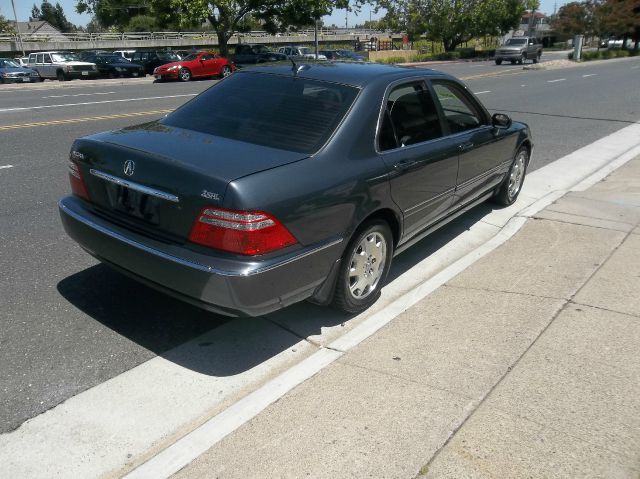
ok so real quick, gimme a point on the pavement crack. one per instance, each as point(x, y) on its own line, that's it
point(489, 290)
point(291, 331)
point(549, 208)
point(555, 220)
point(635, 316)
point(405, 379)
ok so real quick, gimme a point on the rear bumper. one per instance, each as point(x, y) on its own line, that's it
point(231, 286)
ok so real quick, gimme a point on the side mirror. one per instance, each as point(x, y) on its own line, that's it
point(500, 120)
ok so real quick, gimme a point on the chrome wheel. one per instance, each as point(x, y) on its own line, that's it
point(367, 264)
point(516, 175)
point(185, 75)
point(226, 71)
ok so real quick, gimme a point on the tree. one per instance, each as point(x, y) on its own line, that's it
point(452, 22)
point(54, 15)
point(226, 16)
point(5, 25)
point(621, 17)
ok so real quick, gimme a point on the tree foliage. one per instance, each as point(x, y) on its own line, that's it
point(224, 16)
point(600, 17)
point(452, 22)
point(54, 15)
point(5, 25)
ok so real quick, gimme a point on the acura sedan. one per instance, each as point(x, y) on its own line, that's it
point(281, 184)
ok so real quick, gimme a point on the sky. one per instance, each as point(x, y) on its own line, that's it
point(23, 10)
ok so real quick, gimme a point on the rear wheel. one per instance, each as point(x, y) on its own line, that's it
point(364, 268)
point(512, 184)
point(184, 74)
point(226, 71)
point(498, 61)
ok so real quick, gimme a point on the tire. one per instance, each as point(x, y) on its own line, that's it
point(513, 62)
point(184, 74)
point(498, 61)
point(226, 71)
point(61, 76)
point(523, 58)
point(508, 192)
point(366, 262)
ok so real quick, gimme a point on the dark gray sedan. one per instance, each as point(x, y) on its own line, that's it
point(12, 72)
point(280, 184)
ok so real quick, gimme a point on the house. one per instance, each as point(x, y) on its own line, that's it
point(38, 29)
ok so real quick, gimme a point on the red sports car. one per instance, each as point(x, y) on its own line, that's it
point(196, 65)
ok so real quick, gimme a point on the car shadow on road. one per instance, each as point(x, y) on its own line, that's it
point(211, 344)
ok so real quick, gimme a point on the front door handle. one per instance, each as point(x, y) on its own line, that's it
point(467, 145)
point(404, 164)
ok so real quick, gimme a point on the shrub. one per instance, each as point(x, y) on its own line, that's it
point(421, 58)
point(392, 60)
point(588, 56)
point(448, 56)
point(466, 52)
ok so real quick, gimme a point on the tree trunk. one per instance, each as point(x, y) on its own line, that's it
point(223, 39)
point(449, 44)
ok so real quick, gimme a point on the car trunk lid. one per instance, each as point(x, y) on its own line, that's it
point(155, 179)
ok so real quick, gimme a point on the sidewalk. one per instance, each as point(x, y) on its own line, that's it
point(524, 365)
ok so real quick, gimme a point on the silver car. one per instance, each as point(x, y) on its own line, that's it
point(61, 65)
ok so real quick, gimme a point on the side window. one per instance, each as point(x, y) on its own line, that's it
point(460, 112)
point(32, 58)
point(410, 117)
point(207, 57)
point(40, 58)
point(47, 58)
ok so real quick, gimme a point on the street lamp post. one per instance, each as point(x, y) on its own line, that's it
point(18, 29)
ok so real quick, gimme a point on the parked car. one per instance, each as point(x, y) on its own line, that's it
point(519, 49)
point(113, 66)
point(252, 54)
point(196, 65)
point(300, 52)
point(22, 61)
point(61, 65)
point(151, 59)
point(347, 55)
point(128, 54)
point(278, 185)
point(12, 72)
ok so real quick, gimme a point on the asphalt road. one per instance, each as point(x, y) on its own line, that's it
point(68, 323)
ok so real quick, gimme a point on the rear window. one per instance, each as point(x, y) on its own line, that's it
point(285, 112)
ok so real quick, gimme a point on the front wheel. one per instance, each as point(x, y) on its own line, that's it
point(184, 74)
point(364, 268)
point(226, 71)
point(498, 61)
point(512, 184)
point(523, 58)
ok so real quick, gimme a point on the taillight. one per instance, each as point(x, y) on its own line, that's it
point(241, 232)
point(77, 182)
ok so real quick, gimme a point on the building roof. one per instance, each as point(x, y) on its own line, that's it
point(32, 28)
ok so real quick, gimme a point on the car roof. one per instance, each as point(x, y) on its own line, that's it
point(352, 73)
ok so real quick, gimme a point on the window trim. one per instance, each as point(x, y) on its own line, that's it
point(383, 108)
point(464, 91)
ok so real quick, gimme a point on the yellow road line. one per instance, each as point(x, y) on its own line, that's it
point(82, 120)
point(493, 74)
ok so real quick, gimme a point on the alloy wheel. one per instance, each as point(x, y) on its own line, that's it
point(516, 175)
point(367, 265)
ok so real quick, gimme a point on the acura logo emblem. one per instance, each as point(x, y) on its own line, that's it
point(129, 167)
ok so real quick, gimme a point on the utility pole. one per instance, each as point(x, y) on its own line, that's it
point(17, 28)
point(315, 36)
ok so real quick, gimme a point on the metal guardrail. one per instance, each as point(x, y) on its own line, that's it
point(143, 36)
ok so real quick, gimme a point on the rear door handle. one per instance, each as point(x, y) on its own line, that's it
point(467, 145)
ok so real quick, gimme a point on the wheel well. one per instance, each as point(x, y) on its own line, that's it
point(390, 218)
point(527, 145)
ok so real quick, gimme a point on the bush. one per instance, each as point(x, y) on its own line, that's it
point(421, 58)
point(141, 23)
point(448, 56)
point(392, 60)
point(466, 52)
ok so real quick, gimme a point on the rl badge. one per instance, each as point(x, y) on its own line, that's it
point(129, 167)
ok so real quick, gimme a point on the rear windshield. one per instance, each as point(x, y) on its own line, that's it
point(516, 41)
point(285, 112)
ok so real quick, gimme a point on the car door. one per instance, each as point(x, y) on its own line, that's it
point(482, 155)
point(422, 162)
point(210, 65)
